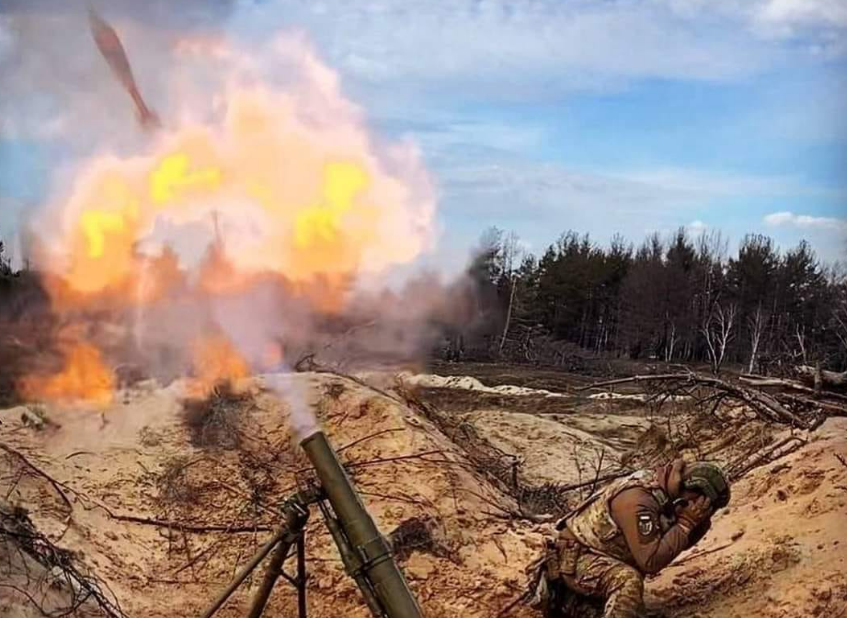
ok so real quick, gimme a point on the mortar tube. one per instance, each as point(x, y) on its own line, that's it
point(352, 562)
point(378, 565)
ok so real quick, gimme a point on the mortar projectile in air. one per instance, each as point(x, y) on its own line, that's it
point(113, 52)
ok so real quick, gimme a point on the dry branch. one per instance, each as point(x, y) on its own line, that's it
point(765, 405)
point(61, 570)
point(700, 554)
point(181, 526)
point(765, 456)
point(383, 460)
point(176, 525)
point(639, 378)
point(792, 385)
point(350, 445)
point(38, 471)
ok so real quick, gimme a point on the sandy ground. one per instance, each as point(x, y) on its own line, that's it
point(778, 551)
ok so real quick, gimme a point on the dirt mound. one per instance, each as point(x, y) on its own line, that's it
point(570, 449)
point(779, 550)
point(471, 384)
point(165, 519)
point(164, 507)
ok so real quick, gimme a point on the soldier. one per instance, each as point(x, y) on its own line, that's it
point(634, 527)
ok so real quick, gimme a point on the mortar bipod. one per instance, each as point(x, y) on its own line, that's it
point(366, 554)
point(295, 511)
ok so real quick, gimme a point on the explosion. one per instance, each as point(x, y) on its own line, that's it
point(283, 184)
point(216, 361)
point(84, 377)
point(287, 203)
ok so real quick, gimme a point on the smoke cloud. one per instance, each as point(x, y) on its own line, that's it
point(261, 222)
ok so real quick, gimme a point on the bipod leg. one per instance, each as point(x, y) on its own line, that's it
point(296, 515)
point(272, 574)
point(244, 573)
point(301, 576)
point(275, 571)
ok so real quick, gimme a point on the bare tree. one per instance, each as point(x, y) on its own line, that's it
point(840, 316)
point(671, 344)
point(756, 325)
point(712, 246)
point(839, 311)
point(511, 253)
point(718, 330)
point(800, 335)
point(5, 264)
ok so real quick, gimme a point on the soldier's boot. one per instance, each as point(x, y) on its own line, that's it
point(548, 595)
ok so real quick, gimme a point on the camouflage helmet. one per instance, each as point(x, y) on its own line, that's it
point(708, 479)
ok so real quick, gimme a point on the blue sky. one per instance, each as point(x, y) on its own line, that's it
point(538, 116)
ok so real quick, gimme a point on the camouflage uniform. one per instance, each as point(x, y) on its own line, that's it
point(593, 557)
point(598, 576)
point(631, 528)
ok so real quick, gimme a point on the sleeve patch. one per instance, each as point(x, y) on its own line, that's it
point(646, 525)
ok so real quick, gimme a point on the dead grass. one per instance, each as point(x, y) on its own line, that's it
point(420, 534)
point(175, 485)
point(215, 422)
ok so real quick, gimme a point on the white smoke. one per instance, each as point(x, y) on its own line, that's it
point(301, 419)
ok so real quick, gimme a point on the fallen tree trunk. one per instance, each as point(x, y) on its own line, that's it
point(822, 377)
point(765, 456)
point(792, 385)
point(766, 405)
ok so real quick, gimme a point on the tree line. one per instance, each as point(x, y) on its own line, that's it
point(675, 299)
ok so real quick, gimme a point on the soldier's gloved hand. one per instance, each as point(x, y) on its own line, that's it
point(694, 512)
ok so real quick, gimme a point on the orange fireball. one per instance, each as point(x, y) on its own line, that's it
point(85, 379)
point(216, 362)
point(279, 192)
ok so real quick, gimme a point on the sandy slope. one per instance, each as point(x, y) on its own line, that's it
point(123, 466)
point(787, 561)
point(780, 550)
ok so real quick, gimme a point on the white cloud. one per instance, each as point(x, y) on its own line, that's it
point(818, 20)
point(804, 12)
point(540, 201)
point(546, 47)
point(397, 52)
point(723, 184)
point(5, 38)
point(819, 26)
point(515, 49)
point(827, 235)
point(787, 218)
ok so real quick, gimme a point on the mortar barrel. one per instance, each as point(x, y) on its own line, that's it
point(378, 564)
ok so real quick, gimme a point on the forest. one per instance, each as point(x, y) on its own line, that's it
point(676, 299)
